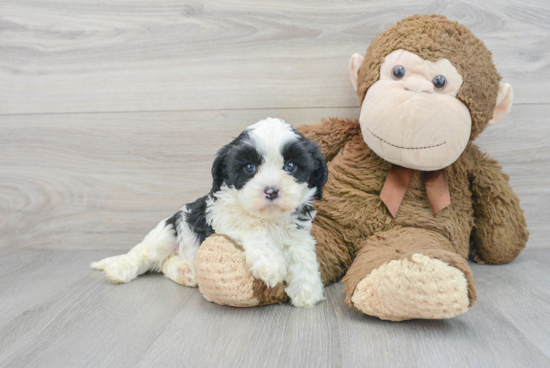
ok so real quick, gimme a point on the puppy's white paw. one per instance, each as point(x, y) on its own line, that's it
point(271, 270)
point(305, 294)
point(180, 271)
point(104, 262)
point(122, 270)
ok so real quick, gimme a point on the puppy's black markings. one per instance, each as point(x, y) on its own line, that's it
point(195, 219)
point(228, 169)
point(312, 167)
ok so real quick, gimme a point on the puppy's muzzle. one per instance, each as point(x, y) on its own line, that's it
point(271, 192)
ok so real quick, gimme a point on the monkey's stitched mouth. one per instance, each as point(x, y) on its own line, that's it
point(407, 148)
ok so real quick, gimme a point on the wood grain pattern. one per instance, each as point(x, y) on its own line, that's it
point(102, 181)
point(497, 331)
point(58, 313)
point(145, 55)
point(62, 310)
point(110, 115)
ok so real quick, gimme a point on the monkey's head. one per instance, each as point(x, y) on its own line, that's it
point(427, 87)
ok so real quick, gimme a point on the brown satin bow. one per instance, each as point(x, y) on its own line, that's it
point(398, 180)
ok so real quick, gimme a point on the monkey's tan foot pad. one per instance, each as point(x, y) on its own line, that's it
point(414, 287)
point(224, 279)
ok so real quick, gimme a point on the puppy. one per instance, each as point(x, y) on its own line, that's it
point(264, 183)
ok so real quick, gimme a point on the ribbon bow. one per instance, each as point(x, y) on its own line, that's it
point(398, 180)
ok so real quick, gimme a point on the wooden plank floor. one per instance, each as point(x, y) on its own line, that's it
point(110, 114)
point(58, 313)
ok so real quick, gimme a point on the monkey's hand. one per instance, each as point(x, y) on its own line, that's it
point(500, 230)
point(331, 134)
point(223, 276)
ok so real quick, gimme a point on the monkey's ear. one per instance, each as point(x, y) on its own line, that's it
point(354, 64)
point(504, 103)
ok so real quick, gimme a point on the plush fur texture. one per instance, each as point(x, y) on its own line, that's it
point(354, 229)
point(396, 291)
point(356, 235)
point(398, 118)
point(226, 280)
point(432, 38)
point(264, 183)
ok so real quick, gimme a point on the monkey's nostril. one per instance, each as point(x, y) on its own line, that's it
point(418, 85)
point(271, 192)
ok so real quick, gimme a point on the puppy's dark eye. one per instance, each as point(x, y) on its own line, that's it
point(250, 168)
point(290, 167)
point(439, 82)
point(398, 72)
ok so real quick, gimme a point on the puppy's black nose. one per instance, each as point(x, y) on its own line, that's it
point(271, 192)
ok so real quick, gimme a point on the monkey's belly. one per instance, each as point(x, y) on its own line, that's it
point(351, 201)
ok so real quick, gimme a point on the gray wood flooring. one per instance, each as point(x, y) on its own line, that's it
point(110, 114)
point(58, 313)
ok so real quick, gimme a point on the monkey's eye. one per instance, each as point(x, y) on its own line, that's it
point(398, 72)
point(439, 82)
point(250, 168)
point(290, 167)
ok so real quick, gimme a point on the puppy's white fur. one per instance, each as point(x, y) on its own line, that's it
point(275, 234)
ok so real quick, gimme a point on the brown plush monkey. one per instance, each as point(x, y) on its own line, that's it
point(409, 196)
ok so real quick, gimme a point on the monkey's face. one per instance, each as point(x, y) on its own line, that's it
point(411, 116)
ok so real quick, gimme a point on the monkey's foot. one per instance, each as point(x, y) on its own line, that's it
point(223, 277)
point(418, 286)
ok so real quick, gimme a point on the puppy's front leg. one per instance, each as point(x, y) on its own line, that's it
point(305, 287)
point(264, 260)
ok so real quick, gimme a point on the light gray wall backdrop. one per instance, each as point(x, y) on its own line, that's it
point(111, 111)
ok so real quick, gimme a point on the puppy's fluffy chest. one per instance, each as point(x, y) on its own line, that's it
point(226, 216)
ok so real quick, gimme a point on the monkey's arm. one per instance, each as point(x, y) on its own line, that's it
point(500, 230)
point(331, 134)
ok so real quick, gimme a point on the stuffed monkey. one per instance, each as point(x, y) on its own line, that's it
point(409, 195)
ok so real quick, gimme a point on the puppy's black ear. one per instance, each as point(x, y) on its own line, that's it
point(218, 168)
point(319, 175)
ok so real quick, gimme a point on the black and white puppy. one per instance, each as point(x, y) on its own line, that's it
point(264, 183)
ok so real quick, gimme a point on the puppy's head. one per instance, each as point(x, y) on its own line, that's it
point(271, 168)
